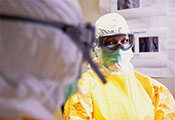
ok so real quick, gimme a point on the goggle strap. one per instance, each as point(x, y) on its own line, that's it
point(65, 28)
point(93, 66)
point(86, 55)
point(24, 19)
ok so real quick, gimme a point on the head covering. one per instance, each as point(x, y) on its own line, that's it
point(36, 61)
point(111, 24)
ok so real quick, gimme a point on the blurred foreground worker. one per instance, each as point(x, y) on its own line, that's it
point(41, 48)
point(127, 95)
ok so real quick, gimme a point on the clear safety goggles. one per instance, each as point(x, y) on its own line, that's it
point(78, 34)
point(113, 44)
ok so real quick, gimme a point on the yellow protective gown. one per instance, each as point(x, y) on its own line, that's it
point(126, 96)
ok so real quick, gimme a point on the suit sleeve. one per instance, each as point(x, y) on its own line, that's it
point(162, 99)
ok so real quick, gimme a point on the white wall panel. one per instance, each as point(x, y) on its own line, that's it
point(159, 22)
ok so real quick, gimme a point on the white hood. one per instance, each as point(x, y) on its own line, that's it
point(36, 61)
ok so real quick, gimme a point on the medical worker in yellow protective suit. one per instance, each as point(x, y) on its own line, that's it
point(41, 44)
point(127, 95)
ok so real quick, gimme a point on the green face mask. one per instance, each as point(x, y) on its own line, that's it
point(117, 56)
point(69, 90)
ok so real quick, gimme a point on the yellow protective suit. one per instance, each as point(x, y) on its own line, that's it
point(124, 97)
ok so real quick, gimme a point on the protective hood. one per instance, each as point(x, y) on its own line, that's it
point(111, 24)
point(37, 61)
